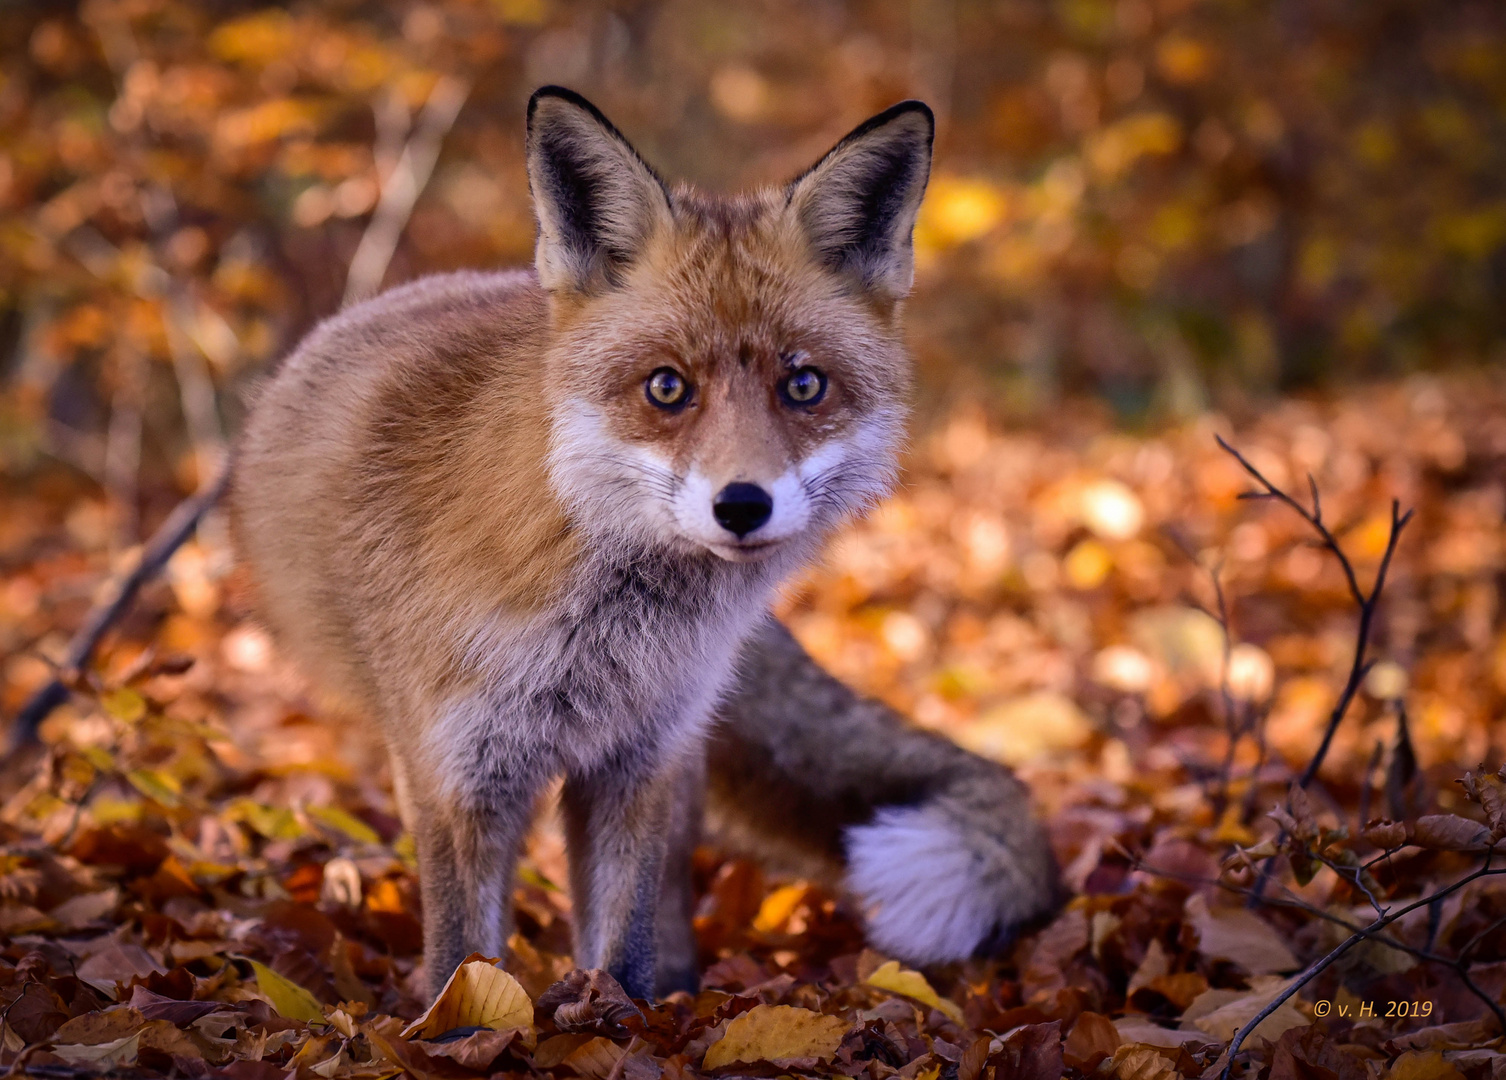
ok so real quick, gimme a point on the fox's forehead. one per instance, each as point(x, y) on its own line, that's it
point(732, 281)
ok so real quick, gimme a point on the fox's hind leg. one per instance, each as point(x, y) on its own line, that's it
point(678, 966)
point(616, 832)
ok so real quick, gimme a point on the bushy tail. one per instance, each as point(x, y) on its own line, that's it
point(938, 845)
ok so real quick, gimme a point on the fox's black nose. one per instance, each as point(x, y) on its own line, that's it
point(741, 508)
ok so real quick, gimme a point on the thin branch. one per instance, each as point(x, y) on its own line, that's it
point(169, 536)
point(401, 189)
point(1366, 603)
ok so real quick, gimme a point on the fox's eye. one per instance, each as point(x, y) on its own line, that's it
point(667, 388)
point(805, 387)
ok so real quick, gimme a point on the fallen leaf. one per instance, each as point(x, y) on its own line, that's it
point(1029, 1052)
point(478, 994)
point(596, 1058)
point(1026, 728)
point(777, 1033)
point(1302, 1053)
point(912, 984)
point(1092, 1038)
point(120, 1051)
point(286, 996)
point(589, 1001)
point(1423, 1065)
point(1228, 1018)
point(117, 963)
point(156, 1007)
point(1137, 1029)
point(475, 1049)
point(1448, 832)
point(1240, 935)
point(1135, 1062)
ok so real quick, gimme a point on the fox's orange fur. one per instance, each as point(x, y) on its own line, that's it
point(469, 515)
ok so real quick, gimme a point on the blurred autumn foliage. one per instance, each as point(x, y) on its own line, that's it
point(1160, 202)
point(1139, 209)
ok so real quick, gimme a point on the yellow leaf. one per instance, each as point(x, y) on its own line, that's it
point(912, 984)
point(778, 906)
point(479, 994)
point(273, 822)
point(957, 210)
point(344, 821)
point(777, 1033)
point(125, 705)
point(286, 996)
point(1087, 565)
point(1025, 728)
point(156, 785)
point(97, 756)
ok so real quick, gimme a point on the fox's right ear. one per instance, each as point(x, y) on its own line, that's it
point(597, 201)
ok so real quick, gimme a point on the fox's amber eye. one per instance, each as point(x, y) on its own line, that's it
point(667, 388)
point(806, 387)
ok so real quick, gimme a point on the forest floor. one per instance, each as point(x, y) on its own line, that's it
point(200, 874)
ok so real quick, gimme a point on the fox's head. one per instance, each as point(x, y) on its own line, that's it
point(726, 373)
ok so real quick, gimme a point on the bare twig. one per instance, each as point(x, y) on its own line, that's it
point(1401, 775)
point(1366, 603)
point(1367, 786)
point(401, 189)
point(154, 555)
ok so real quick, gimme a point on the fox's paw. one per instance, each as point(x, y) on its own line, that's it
point(936, 886)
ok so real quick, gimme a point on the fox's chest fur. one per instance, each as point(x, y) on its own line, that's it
point(626, 666)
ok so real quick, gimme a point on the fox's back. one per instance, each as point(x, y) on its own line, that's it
point(359, 502)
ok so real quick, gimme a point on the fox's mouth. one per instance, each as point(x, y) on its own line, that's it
point(750, 550)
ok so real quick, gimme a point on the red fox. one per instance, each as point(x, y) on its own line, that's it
point(530, 524)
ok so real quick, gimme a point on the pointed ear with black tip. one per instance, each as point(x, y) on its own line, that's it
point(597, 201)
point(858, 204)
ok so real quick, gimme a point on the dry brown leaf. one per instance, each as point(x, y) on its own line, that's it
point(590, 1001)
point(474, 1051)
point(1448, 832)
point(117, 964)
point(1232, 1015)
point(777, 1033)
point(1092, 1038)
point(1138, 1062)
point(121, 1051)
point(596, 1058)
point(478, 994)
point(1239, 935)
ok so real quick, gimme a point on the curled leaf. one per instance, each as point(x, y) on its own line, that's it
point(479, 994)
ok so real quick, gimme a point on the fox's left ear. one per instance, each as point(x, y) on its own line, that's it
point(597, 201)
point(857, 205)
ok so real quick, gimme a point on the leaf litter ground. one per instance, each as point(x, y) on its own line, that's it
point(202, 874)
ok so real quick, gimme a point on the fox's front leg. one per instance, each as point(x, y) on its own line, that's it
point(468, 848)
point(678, 966)
point(617, 824)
